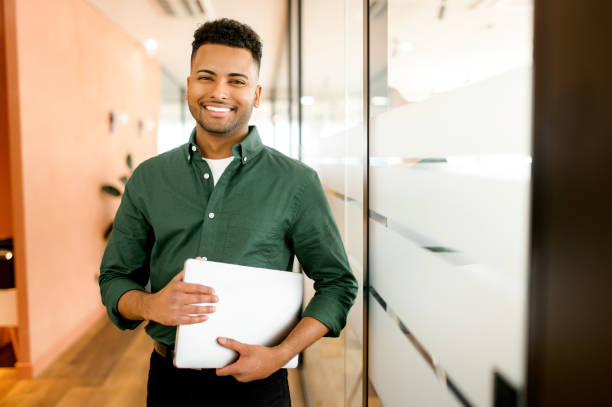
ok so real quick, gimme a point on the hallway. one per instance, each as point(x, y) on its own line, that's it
point(459, 154)
point(106, 367)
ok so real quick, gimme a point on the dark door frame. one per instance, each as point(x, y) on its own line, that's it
point(570, 293)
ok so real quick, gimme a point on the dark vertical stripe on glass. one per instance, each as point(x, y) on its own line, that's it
point(299, 74)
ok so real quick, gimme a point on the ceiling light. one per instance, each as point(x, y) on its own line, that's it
point(307, 100)
point(380, 100)
point(406, 47)
point(151, 45)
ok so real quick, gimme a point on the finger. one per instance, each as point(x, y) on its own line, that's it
point(191, 319)
point(198, 309)
point(193, 288)
point(179, 276)
point(232, 344)
point(198, 258)
point(191, 299)
point(229, 369)
point(242, 378)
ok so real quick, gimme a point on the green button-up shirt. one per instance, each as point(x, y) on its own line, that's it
point(264, 209)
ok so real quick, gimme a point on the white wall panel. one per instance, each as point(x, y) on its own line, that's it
point(355, 316)
point(354, 231)
point(489, 117)
point(354, 165)
point(338, 207)
point(486, 219)
point(469, 318)
point(349, 219)
point(399, 374)
point(339, 161)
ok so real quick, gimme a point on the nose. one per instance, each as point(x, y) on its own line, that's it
point(219, 90)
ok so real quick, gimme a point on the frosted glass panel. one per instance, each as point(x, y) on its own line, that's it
point(483, 118)
point(333, 144)
point(398, 372)
point(449, 183)
point(481, 218)
point(469, 317)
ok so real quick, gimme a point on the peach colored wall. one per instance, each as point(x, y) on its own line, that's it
point(74, 66)
point(12, 125)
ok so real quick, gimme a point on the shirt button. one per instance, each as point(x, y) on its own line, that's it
point(245, 159)
point(204, 258)
point(193, 148)
point(211, 215)
point(206, 175)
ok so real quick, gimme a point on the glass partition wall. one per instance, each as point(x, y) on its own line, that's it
point(448, 152)
point(333, 144)
point(449, 168)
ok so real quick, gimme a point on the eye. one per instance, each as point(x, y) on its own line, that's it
point(237, 82)
point(204, 78)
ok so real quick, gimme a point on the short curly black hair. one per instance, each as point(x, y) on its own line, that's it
point(228, 32)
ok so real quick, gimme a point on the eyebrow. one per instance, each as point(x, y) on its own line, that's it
point(208, 71)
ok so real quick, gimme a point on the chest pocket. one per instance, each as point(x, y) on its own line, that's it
point(252, 242)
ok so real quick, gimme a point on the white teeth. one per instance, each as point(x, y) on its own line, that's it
point(217, 109)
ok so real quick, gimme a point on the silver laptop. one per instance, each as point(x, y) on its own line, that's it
point(256, 306)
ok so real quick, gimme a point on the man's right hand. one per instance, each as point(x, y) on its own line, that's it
point(175, 303)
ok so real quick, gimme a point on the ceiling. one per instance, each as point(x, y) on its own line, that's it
point(149, 19)
point(422, 47)
point(470, 41)
point(427, 52)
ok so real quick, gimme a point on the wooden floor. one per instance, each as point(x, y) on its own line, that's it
point(333, 372)
point(106, 367)
point(324, 372)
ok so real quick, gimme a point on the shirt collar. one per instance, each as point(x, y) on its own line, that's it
point(246, 150)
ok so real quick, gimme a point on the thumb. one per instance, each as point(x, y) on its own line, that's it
point(232, 344)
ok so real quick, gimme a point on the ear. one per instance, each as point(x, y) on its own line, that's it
point(257, 96)
point(187, 88)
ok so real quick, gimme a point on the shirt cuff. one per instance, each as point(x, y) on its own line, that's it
point(111, 298)
point(329, 312)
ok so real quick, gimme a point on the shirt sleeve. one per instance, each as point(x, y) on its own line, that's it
point(125, 264)
point(319, 249)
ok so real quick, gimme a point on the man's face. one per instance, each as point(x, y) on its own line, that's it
point(222, 88)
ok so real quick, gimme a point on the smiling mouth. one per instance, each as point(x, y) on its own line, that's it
point(217, 109)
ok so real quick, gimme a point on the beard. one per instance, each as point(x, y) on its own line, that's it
point(218, 128)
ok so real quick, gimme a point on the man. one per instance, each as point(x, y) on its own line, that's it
point(225, 197)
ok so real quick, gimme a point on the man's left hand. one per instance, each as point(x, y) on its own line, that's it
point(254, 363)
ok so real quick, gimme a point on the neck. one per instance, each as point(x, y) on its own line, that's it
point(215, 146)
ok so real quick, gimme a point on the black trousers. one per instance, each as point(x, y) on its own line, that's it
point(170, 386)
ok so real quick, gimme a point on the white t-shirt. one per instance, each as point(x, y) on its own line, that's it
point(218, 166)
